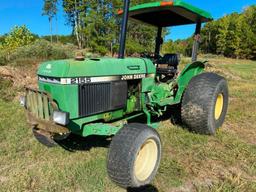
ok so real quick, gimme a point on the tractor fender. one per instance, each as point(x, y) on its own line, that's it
point(190, 71)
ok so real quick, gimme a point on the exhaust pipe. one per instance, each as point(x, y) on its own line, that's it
point(124, 29)
point(196, 41)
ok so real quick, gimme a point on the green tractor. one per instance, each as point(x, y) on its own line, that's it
point(102, 96)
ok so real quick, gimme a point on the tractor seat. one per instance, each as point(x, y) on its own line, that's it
point(170, 60)
point(168, 64)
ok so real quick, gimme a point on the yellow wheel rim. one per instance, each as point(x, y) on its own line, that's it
point(146, 160)
point(219, 106)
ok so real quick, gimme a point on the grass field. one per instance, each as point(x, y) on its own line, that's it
point(225, 162)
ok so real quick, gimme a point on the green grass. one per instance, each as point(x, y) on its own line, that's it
point(225, 162)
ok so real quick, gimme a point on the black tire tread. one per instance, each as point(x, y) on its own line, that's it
point(119, 163)
point(197, 101)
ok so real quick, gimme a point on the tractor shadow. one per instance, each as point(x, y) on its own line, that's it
point(173, 114)
point(147, 188)
point(77, 143)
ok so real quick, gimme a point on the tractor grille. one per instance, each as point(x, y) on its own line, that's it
point(101, 97)
point(38, 103)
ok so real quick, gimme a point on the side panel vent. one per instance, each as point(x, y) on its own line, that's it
point(101, 97)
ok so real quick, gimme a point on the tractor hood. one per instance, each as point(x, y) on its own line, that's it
point(96, 67)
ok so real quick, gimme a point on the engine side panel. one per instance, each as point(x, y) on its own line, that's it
point(96, 67)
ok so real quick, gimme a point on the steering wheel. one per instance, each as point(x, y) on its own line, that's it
point(151, 56)
point(147, 55)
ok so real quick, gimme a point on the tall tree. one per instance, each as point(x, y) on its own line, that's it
point(19, 36)
point(227, 37)
point(76, 12)
point(96, 25)
point(50, 10)
point(246, 32)
point(141, 35)
point(233, 35)
point(102, 25)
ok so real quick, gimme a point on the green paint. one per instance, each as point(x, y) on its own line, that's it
point(96, 67)
point(46, 108)
point(40, 106)
point(144, 107)
point(76, 125)
point(154, 125)
point(184, 78)
point(194, 9)
point(153, 98)
point(134, 116)
point(147, 84)
point(66, 96)
point(176, 3)
point(159, 92)
point(131, 104)
point(163, 94)
point(99, 129)
point(107, 129)
point(148, 97)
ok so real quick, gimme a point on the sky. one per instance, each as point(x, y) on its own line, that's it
point(29, 12)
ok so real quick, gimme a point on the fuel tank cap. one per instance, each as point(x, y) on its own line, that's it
point(79, 56)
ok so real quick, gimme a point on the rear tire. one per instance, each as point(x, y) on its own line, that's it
point(205, 103)
point(134, 156)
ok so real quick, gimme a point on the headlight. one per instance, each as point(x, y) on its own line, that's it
point(23, 101)
point(60, 117)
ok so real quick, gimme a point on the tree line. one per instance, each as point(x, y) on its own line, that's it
point(96, 26)
point(233, 36)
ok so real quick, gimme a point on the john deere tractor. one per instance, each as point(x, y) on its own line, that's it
point(102, 96)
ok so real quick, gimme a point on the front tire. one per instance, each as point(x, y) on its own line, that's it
point(134, 156)
point(205, 103)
